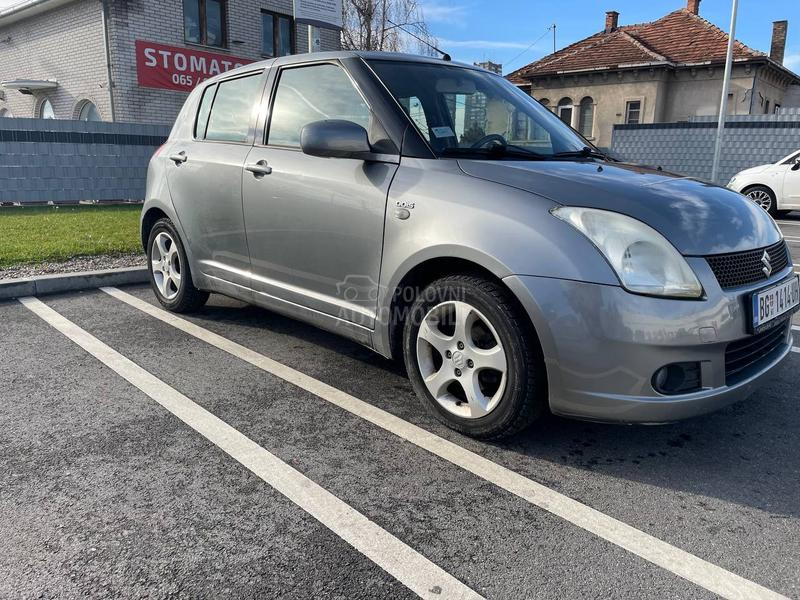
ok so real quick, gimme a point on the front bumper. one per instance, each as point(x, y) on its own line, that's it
point(602, 346)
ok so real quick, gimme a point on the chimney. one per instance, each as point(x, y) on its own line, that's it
point(612, 21)
point(693, 6)
point(778, 50)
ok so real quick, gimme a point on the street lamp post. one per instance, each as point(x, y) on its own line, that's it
point(726, 85)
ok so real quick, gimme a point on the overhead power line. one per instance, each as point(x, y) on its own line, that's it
point(549, 29)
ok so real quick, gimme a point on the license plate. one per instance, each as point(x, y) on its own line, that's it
point(775, 302)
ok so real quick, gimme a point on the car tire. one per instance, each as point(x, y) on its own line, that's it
point(170, 274)
point(474, 324)
point(764, 197)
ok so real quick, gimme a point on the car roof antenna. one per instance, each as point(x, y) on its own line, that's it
point(445, 55)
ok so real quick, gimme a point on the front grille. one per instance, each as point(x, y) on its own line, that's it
point(745, 357)
point(745, 268)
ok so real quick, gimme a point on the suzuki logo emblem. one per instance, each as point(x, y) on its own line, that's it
point(766, 260)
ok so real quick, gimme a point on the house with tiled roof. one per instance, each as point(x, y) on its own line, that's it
point(668, 70)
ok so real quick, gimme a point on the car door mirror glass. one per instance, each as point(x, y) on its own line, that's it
point(335, 139)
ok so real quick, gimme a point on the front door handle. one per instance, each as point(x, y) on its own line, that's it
point(179, 158)
point(259, 169)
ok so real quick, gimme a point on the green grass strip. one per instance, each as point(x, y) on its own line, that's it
point(49, 233)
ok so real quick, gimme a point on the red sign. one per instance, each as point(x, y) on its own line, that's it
point(175, 68)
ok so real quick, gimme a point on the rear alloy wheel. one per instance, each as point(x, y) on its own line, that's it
point(764, 197)
point(170, 275)
point(473, 359)
point(165, 262)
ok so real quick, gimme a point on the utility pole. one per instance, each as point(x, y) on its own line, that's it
point(554, 38)
point(726, 85)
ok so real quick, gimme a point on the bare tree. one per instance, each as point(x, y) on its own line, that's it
point(380, 24)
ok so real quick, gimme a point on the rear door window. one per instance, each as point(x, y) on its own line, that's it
point(232, 110)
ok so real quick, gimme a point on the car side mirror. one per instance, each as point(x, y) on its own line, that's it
point(796, 166)
point(335, 139)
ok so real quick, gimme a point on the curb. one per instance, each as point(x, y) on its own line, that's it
point(71, 282)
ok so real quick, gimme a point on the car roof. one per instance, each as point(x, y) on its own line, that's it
point(340, 55)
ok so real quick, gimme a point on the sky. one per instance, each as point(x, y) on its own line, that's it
point(514, 32)
point(503, 30)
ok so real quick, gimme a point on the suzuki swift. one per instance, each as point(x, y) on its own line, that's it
point(435, 212)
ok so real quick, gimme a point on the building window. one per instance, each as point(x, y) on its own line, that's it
point(232, 111)
point(520, 131)
point(204, 22)
point(46, 110)
point(565, 110)
point(777, 109)
point(545, 102)
point(5, 113)
point(633, 112)
point(586, 120)
point(277, 34)
point(88, 112)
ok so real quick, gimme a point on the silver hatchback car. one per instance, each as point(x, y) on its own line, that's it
point(435, 212)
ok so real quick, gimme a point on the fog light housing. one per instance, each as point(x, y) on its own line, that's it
point(678, 378)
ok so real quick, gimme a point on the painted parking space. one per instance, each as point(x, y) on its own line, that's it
point(103, 493)
point(471, 529)
point(712, 491)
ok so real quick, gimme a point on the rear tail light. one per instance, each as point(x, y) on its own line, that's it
point(158, 151)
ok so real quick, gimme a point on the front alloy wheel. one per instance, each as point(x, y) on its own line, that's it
point(473, 357)
point(461, 360)
point(764, 198)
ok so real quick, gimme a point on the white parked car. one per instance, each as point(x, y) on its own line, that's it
point(776, 188)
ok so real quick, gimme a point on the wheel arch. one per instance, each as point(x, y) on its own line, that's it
point(402, 294)
point(750, 186)
point(149, 219)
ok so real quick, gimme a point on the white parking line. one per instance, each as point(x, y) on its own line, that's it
point(399, 560)
point(682, 563)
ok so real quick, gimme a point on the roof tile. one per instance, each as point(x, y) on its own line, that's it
point(679, 38)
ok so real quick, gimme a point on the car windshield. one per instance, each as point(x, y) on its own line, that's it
point(465, 112)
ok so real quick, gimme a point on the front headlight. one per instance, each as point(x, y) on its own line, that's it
point(732, 182)
point(645, 262)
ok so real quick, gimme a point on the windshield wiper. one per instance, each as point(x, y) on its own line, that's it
point(497, 151)
point(584, 152)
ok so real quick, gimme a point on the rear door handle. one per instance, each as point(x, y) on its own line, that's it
point(179, 158)
point(259, 169)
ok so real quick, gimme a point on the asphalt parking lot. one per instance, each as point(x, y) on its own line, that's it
point(237, 453)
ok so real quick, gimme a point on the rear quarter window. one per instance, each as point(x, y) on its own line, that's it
point(202, 113)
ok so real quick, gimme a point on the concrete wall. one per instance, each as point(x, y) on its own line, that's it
point(688, 148)
point(65, 44)
point(667, 96)
point(769, 91)
point(696, 92)
point(610, 92)
point(69, 161)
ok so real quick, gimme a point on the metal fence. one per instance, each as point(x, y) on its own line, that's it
point(58, 161)
point(688, 148)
